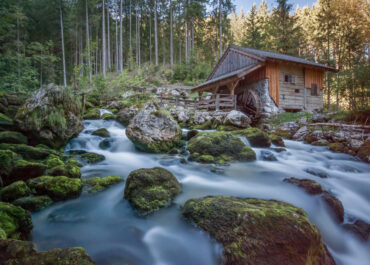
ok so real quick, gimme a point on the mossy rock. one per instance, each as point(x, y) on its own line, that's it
point(7, 158)
point(24, 252)
point(335, 205)
point(15, 221)
point(28, 152)
point(364, 151)
point(191, 134)
point(101, 183)
point(5, 121)
point(338, 147)
point(105, 144)
point(24, 170)
point(108, 116)
point(66, 170)
point(53, 161)
point(58, 188)
point(277, 140)
point(102, 132)
point(255, 231)
point(92, 114)
point(151, 189)
point(12, 137)
point(255, 136)
point(14, 191)
point(208, 125)
point(284, 133)
point(310, 186)
point(34, 203)
point(92, 158)
point(222, 146)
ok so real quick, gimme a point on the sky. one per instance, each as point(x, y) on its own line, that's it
point(247, 4)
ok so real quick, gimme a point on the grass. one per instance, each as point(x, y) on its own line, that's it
point(278, 120)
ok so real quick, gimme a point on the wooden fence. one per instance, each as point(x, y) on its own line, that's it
point(213, 102)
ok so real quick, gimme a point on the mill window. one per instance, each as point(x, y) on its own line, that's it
point(314, 90)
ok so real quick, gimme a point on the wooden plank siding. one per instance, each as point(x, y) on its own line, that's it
point(273, 74)
point(289, 97)
point(233, 61)
point(313, 77)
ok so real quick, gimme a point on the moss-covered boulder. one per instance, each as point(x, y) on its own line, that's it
point(108, 116)
point(310, 186)
point(12, 137)
point(24, 170)
point(102, 132)
point(92, 114)
point(27, 151)
point(100, 183)
point(335, 205)
point(7, 158)
point(14, 191)
point(255, 231)
point(338, 147)
point(53, 161)
point(222, 146)
point(34, 203)
point(15, 221)
point(52, 115)
point(70, 169)
point(154, 130)
point(92, 158)
point(255, 136)
point(277, 140)
point(364, 151)
point(58, 188)
point(150, 189)
point(5, 122)
point(16, 252)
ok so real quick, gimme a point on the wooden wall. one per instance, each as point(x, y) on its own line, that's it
point(289, 98)
point(313, 77)
point(233, 61)
point(273, 73)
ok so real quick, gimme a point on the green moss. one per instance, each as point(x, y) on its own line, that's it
point(161, 113)
point(136, 100)
point(102, 132)
point(15, 221)
point(57, 188)
point(92, 158)
point(150, 189)
point(53, 161)
point(92, 114)
point(14, 191)
point(204, 126)
point(255, 231)
point(5, 120)
point(255, 136)
point(3, 235)
point(99, 184)
point(277, 140)
point(279, 119)
point(338, 147)
point(7, 158)
point(34, 203)
point(108, 116)
point(223, 146)
point(227, 128)
point(364, 151)
point(24, 170)
point(28, 152)
point(12, 137)
point(206, 159)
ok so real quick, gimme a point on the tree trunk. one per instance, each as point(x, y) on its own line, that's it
point(150, 37)
point(220, 18)
point(116, 54)
point(108, 44)
point(18, 53)
point(104, 48)
point(155, 33)
point(120, 54)
point(186, 32)
point(63, 53)
point(171, 34)
point(130, 48)
point(88, 42)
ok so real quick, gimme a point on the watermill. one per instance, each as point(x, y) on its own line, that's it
point(249, 102)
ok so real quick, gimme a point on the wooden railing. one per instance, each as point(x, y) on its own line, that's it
point(215, 102)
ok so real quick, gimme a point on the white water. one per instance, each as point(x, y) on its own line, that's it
point(107, 227)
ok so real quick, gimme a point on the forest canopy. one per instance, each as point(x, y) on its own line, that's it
point(78, 43)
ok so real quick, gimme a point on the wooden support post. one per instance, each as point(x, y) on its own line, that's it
point(235, 101)
point(177, 102)
point(83, 102)
point(217, 101)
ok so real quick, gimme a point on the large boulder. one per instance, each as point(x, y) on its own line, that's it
point(57, 188)
point(219, 147)
point(34, 203)
point(15, 221)
point(12, 137)
point(14, 191)
point(24, 252)
point(256, 137)
point(255, 231)
point(151, 189)
point(28, 152)
point(125, 115)
point(237, 119)
point(24, 170)
point(51, 115)
point(310, 186)
point(154, 130)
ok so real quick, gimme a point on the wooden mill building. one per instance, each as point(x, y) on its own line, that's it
point(265, 82)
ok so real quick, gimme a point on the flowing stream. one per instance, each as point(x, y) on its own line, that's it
point(110, 231)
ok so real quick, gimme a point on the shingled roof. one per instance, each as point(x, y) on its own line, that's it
point(278, 56)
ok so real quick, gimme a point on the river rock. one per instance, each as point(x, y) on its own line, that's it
point(151, 189)
point(319, 118)
point(92, 114)
point(364, 151)
point(219, 147)
point(6, 122)
point(268, 156)
point(256, 137)
point(154, 130)
point(360, 228)
point(316, 172)
point(92, 158)
point(335, 205)
point(125, 115)
point(12, 137)
point(100, 183)
point(277, 140)
point(300, 135)
point(255, 231)
point(288, 129)
point(310, 186)
point(102, 132)
point(191, 134)
point(51, 115)
point(28, 152)
point(15, 221)
point(237, 118)
point(34, 203)
point(24, 170)
point(24, 252)
point(14, 191)
point(57, 188)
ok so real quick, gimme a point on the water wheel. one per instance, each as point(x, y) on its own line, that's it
point(249, 102)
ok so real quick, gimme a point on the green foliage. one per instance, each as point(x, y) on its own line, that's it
point(279, 119)
point(191, 73)
point(101, 183)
